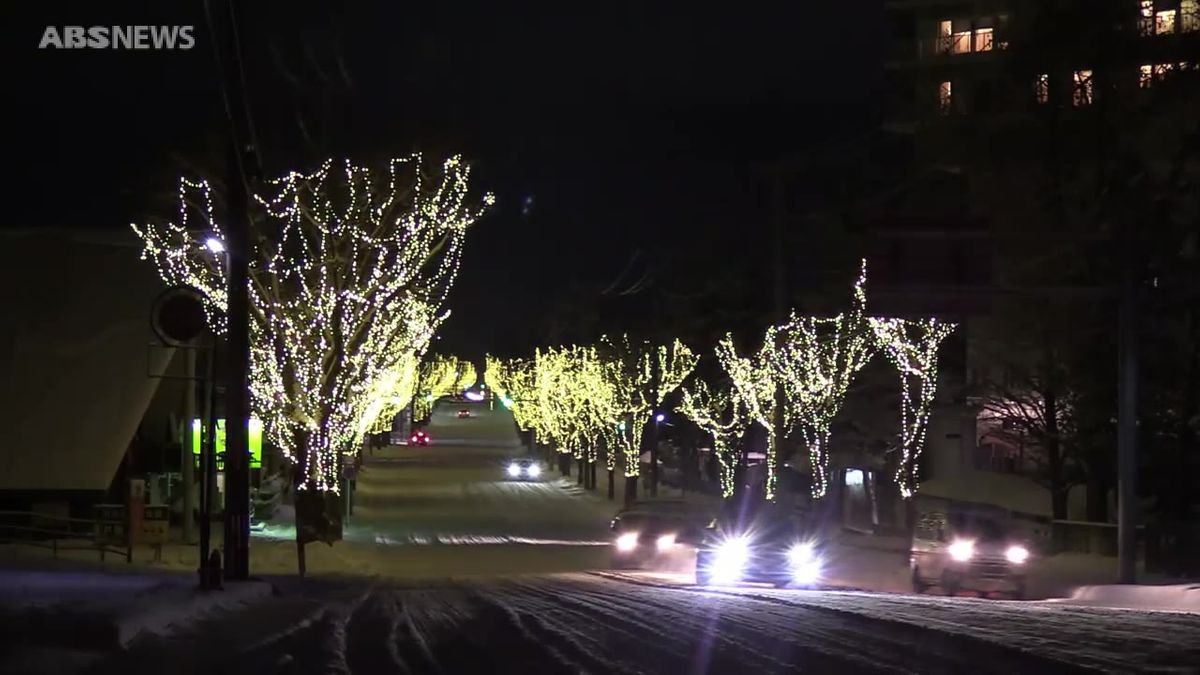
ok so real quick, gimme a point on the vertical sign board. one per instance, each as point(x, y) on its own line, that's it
point(137, 509)
point(111, 528)
point(156, 527)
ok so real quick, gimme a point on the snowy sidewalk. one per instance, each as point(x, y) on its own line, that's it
point(1175, 598)
point(101, 610)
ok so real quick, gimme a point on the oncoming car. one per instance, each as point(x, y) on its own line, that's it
point(771, 548)
point(464, 413)
point(419, 437)
point(967, 549)
point(654, 536)
point(523, 469)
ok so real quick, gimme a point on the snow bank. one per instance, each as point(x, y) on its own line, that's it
point(1178, 598)
point(103, 610)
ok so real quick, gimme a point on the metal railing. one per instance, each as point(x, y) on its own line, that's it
point(57, 533)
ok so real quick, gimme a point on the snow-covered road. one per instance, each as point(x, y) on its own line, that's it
point(450, 568)
point(594, 623)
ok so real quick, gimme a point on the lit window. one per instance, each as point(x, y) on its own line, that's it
point(1146, 18)
point(983, 40)
point(1145, 76)
point(1082, 94)
point(1041, 88)
point(945, 102)
point(1161, 70)
point(1189, 16)
point(1164, 22)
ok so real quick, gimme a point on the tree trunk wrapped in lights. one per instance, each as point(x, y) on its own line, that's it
point(753, 380)
point(816, 359)
point(640, 378)
point(722, 416)
point(349, 269)
point(912, 347)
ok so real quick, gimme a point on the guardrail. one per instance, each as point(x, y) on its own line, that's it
point(58, 533)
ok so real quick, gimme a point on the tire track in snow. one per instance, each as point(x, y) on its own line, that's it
point(903, 644)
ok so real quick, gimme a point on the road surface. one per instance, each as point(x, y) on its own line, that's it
point(451, 568)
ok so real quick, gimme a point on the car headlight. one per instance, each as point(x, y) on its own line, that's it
point(627, 542)
point(534, 471)
point(730, 560)
point(800, 554)
point(514, 469)
point(1017, 554)
point(666, 541)
point(962, 551)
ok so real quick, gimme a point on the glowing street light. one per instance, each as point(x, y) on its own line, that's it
point(215, 245)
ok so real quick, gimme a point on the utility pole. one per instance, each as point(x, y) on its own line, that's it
point(779, 209)
point(242, 167)
point(1127, 432)
point(187, 461)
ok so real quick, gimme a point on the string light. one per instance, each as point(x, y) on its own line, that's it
point(348, 273)
point(753, 389)
point(912, 347)
point(815, 360)
point(721, 416)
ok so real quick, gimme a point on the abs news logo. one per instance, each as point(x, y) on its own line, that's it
point(117, 37)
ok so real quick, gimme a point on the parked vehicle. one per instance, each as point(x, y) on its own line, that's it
point(961, 548)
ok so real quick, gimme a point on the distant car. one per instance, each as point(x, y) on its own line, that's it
point(651, 535)
point(770, 548)
point(523, 469)
point(419, 437)
point(464, 413)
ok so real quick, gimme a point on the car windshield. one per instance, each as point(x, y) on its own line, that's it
point(983, 529)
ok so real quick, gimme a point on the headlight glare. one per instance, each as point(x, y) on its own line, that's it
point(729, 560)
point(1017, 554)
point(800, 554)
point(962, 550)
point(534, 471)
point(627, 542)
point(666, 541)
point(514, 469)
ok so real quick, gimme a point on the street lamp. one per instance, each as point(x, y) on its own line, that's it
point(215, 245)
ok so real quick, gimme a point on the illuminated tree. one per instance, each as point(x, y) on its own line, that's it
point(816, 359)
point(640, 378)
point(912, 347)
point(722, 416)
point(349, 269)
point(753, 389)
point(437, 376)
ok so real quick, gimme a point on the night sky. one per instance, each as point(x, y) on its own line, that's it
point(604, 129)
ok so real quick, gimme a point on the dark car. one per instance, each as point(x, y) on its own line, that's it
point(770, 548)
point(419, 437)
point(648, 536)
point(464, 413)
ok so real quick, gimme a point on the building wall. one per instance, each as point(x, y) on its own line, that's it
point(74, 363)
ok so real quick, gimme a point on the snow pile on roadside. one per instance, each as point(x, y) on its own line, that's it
point(1178, 598)
point(104, 610)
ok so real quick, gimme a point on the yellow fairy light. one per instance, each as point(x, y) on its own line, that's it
point(912, 347)
point(722, 416)
point(348, 273)
point(815, 360)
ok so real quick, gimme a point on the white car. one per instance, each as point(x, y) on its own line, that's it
point(523, 469)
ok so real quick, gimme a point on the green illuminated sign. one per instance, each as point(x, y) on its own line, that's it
point(256, 433)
